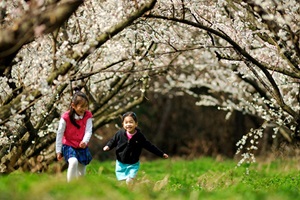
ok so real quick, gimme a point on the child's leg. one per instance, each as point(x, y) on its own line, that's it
point(72, 169)
point(81, 169)
point(120, 170)
point(131, 172)
point(129, 181)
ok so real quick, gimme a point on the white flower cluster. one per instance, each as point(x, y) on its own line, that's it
point(250, 140)
point(247, 158)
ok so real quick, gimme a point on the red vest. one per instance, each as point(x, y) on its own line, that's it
point(72, 135)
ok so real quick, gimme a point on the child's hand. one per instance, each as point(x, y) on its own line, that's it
point(59, 156)
point(82, 145)
point(106, 148)
point(165, 156)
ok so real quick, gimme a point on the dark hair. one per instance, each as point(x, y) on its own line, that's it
point(131, 114)
point(75, 100)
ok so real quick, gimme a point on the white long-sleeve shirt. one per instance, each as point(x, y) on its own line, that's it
point(62, 127)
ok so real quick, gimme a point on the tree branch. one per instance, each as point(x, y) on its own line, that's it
point(275, 92)
point(23, 32)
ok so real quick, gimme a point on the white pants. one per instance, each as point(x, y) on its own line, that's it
point(75, 169)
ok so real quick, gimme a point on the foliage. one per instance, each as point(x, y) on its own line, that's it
point(237, 55)
point(161, 179)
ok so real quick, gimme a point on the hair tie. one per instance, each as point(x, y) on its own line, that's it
point(77, 89)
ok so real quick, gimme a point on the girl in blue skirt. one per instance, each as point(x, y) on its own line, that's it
point(73, 134)
point(129, 142)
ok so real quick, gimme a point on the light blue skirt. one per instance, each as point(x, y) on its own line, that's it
point(124, 171)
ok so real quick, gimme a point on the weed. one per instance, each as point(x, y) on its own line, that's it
point(203, 178)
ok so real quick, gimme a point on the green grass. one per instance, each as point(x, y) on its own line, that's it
point(203, 178)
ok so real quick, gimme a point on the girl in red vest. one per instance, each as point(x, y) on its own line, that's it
point(73, 134)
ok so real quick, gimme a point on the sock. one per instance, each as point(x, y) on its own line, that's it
point(81, 169)
point(72, 169)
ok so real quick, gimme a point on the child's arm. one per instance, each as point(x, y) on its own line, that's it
point(87, 134)
point(59, 135)
point(59, 156)
point(112, 143)
point(106, 148)
point(152, 148)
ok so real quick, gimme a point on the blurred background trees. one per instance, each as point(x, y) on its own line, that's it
point(205, 78)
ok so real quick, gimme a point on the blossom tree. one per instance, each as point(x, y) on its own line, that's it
point(39, 70)
point(237, 55)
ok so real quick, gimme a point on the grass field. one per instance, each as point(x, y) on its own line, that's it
point(204, 178)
